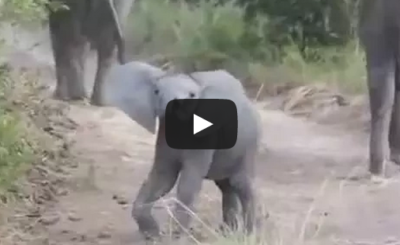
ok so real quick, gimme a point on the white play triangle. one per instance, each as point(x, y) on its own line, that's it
point(200, 124)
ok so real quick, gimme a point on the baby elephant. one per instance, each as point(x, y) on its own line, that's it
point(142, 92)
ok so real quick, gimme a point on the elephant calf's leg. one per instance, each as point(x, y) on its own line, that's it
point(242, 185)
point(230, 204)
point(189, 186)
point(159, 182)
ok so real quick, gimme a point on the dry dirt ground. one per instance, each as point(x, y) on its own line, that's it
point(309, 176)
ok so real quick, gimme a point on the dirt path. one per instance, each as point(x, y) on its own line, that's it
point(302, 180)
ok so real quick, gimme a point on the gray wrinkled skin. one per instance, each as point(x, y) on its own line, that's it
point(380, 36)
point(99, 23)
point(230, 169)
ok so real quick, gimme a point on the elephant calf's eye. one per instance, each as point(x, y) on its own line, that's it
point(191, 95)
point(156, 91)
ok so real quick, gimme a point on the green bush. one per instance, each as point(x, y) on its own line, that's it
point(18, 11)
point(305, 23)
point(16, 153)
point(202, 36)
point(342, 67)
point(210, 35)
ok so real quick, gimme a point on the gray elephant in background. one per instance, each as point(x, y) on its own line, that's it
point(379, 33)
point(142, 91)
point(99, 23)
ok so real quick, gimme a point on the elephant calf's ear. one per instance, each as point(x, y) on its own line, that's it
point(128, 87)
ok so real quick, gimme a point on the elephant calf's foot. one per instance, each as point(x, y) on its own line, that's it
point(179, 233)
point(148, 226)
point(226, 230)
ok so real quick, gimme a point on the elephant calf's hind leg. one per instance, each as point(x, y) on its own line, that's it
point(244, 190)
point(230, 204)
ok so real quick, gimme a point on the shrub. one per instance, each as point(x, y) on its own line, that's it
point(15, 150)
point(205, 35)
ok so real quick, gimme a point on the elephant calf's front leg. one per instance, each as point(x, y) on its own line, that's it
point(159, 182)
point(189, 186)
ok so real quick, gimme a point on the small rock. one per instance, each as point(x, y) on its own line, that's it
point(73, 164)
point(105, 234)
point(62, 192)
point(33, 214)
point(3, 199)
point(74, 217)
point(120, 200)
point(80, 238)
point(49, 219)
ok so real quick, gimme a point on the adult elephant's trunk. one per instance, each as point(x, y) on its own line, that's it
point(120, 35)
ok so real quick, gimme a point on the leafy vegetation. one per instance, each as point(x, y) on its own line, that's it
point(21, 11)
point(15, 150)
point(269, 43)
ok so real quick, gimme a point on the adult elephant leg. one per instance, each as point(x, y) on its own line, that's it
point(105, 56)
point(380, 76)
point(394, 134)
point(69, 51)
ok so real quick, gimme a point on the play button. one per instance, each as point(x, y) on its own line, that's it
point(199, 124)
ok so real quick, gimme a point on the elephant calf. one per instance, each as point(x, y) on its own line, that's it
point(98, 22)
point(379, 33)
point(143, 92)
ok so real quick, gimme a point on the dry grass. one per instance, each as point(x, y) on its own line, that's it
point(266, 233)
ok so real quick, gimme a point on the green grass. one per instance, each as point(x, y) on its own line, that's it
point(343, 68)
point(16, 153)
point(205, 36)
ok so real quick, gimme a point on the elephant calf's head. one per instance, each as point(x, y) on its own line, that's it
point(143, 91)
point(177, 87)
